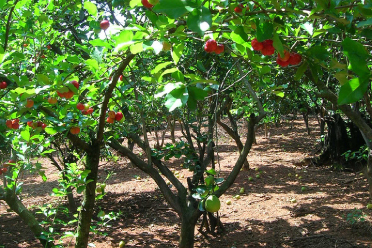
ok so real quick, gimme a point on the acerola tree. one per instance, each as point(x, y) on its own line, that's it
point(114, 58)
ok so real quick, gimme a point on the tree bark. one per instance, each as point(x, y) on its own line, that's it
point(87, 206)
point(369, 173)
point(17, 206)
point(188, 222)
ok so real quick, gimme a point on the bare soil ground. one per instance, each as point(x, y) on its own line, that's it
point(273, 211)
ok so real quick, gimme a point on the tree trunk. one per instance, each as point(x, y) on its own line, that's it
point(306, 119)
point(87, 206)
point(188, 222)
point(17, 206)
point(369, 173)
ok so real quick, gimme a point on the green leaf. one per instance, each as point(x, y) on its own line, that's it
point(357, 55)
point(25, 135)
point(100, 43)
point(364, 23)
point(43, 78)
point(160, 66)
point(239, 35)
point(278, 44)
point(92, 63)
point(353, 91)
point(300, 71)
point(136, 48)
point(172, 8)
point(211, 172)
point(200, 20)
point(50, 130)
point(176, 98)
point(319, 53)
point(177, 52)
point(279, 93)
point(91, 8)
point(264, 30)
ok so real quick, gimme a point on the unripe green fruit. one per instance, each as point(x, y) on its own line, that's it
point(212, 204)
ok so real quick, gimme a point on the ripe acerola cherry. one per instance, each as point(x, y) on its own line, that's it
point(110, 120)
point(268, 48)
point(4, 170)
point(105, 24)
point(68, 94)
point(43, 125)
point(15, 125)
point(146, 4)
point(29, 103)
point(210, 45)
point(118, 116)
point(3, 85)
point(75, 83)
point(80, 106)
point(52, 100)
point(75, 130)
point(220, 48)
point(281, 62)
point(49, 47)
point(121, 78)
point(8, 123)
point(111, 114)
point(256, 45)
point(239, 8)
point(90, 111)
point(294, 59)
point(286, 56)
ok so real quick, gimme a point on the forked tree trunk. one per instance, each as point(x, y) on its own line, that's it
point(87, 206)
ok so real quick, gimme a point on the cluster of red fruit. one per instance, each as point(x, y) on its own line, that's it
point(36, 124)
point(29, 103)
point(69, 94)
point(212, 46)
point(5, 169)
point(266, 48)
point(3, 85)
point(85, 109)
point(12, 124)
point(112, 116)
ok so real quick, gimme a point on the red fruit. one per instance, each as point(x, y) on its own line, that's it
point(146, 4)
point(52, 100)
point(281, 62)
point(43, 56)
point(29, 103)
point(268, 42)
point(75, 83)
point(210, 45)
point(62, 95)
point(49, 47)
point(121, 78)
point(15, 125)
point(110, 120)
point(16, 120)
point(111, 114)
point(295, 59)
point(4, 170)
point(3, 85)
point(105, 24)
point(30, 123)
point(80, 106)
point(90, 111)
point(256, 45)
point(75, 130)
point(10, 162)
point(25, 45)
point(68, 94)
point(239, 9)
point(220, 48)
point(84, 112)
point(118, 116)
point(268, 50)
point(286, 56)
point(43, 126)
point(8, 123)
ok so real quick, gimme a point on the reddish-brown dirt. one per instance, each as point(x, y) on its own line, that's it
point(272, 212)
